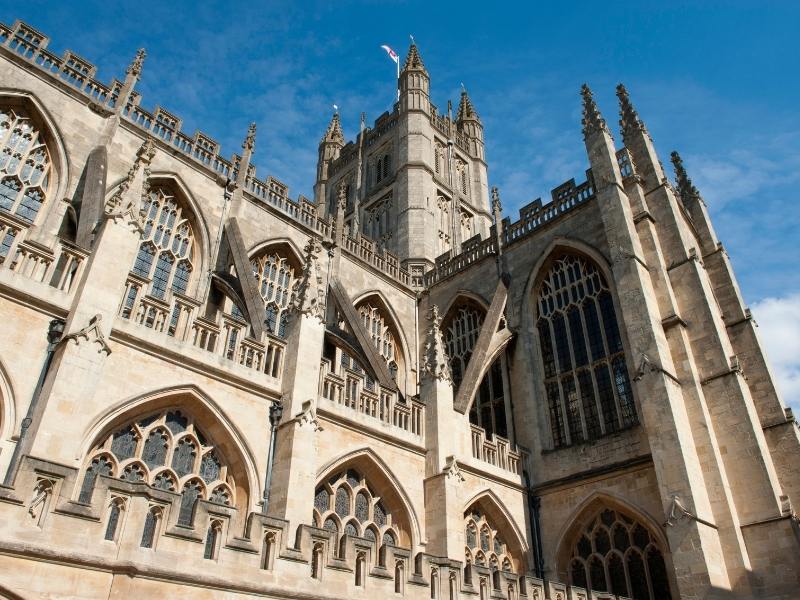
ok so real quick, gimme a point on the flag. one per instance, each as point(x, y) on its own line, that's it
point(336, 108)
point(392, 54)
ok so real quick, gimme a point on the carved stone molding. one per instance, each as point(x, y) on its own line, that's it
point(309, 289)
point(125, 205)
point(452, 470)
point(308, 417)
point(91, 333)
point(435, 362)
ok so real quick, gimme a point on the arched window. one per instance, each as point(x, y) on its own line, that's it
point(434, 583)
point(276, 278)
point(366, 514)
point(437, 158)
point(463, 179)
point(151, 524)
point(386, 163)
point(461, 328)
point(114, 518)
point(482, 541)
point(166, 451)
point(586, 378)
point(211, 550)
point(398, 577)
point(361, 567)
point(453, 587)
point(445, 226)
point(378, 328)
point(268, 551)
point(618, 554)
point(166, 252)
point(25, 165)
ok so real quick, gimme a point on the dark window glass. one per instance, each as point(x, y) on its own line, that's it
point(616, 573)
point(155, 449)
point(99, 466)
point(562, 346)
point(658, 575)
point(149, 531)
point(623, 386)
point(576, 333)
point(144, 260)
point(597, 573)
point(181, 280)
point(589, 404)
point(161, 274)
point(593, 329)
point(607, 404)
point(638, 578)
point(211, 542)
point(578, 573)
point(113, 521)
point(556, 420)
point(183, 458)
point(573, 409)
point(191, 492)
point(610, 322)
point(123, 444)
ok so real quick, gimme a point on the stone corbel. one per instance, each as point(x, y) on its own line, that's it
point(452, 470)
point(678, 511)
point(307, 417)
point(91, 333)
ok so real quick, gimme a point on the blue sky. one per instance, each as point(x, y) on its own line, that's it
point(713, 80)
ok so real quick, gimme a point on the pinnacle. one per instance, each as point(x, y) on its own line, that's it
point(334, 131)
point(686, 188)
point(413, 60)
point(135, 68)
point(250, 140)
point(465, 108)
point(629, 120)
point(592, 121)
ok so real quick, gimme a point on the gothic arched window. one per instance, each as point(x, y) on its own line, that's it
point(586, 377)
point(484, 542)
point(618, 554)
point(378, 328)
point(443, 206)
point(166, 451)
point(166, 251)
point(25, 165)
point(366, 514)
point(276, 277)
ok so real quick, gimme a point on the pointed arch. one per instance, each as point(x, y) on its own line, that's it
point(385, 484)
point(386, 306)
point(504, 522)
point(292, 252)
point(214, 420)
point(8, 408)
point(462, 296)
point(36, 197)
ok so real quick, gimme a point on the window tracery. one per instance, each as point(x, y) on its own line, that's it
point(617, 554)
point(445, 224)
point(166, 250)
point(276, 278)
point(484, 545)
point(166, 451)
point(379, 330)
point(586, 378)
point(347, 498)
point(25, 165)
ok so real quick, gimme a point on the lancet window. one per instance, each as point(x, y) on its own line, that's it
point(586, 377)
point(167, 451)
point(462, 177)
point(25, 165)
point(376, 221)
point(276, 277)
point(346, 504)
point(618, 554)
point(484, 544)
point(166, 250)
point(378, 328)
point(445, 224)
point(460, 337)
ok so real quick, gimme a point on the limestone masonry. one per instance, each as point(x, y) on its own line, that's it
point(211, 390)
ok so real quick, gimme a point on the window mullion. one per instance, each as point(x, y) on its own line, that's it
point(573, 374)
point(564, 422)
point(590, 368)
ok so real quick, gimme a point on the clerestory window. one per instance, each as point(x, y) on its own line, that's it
point(586, 378)
point(276, 278)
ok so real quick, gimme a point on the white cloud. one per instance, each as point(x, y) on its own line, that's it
point(779, 328)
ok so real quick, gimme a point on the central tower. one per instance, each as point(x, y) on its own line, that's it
point(416, 182)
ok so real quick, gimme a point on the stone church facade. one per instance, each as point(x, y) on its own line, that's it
point(210, 390)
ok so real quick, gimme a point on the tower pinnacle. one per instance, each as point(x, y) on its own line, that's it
point(250, 141)
point(413, 59)
point(686, 188)
point(465, 108)
point(629, 120)
point(334, 132)
point(592, 121)
point(135, 68)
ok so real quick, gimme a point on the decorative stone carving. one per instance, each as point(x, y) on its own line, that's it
point(250, 140)
point(341, 194)
point(452, 471)
point(91, 333)
point(629, 120)
point(686, 189)
point(308, 417)
point(309, 290)
point(593, 121)
point(42, 489)
point(435, 363)
point(125, 204)
point(135, 68)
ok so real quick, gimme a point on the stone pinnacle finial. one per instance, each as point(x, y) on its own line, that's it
point(413, 60)
point(496, 206)
point(250, 140)
point(592, 121)
point(465, 108)
point(334, 132)
point(629, 120)
point(436, 363)
point(135, 68)
point(341, 194)
point(686, 188)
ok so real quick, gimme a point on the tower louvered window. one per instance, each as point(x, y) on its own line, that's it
point(276, 277)
point(586, 377)
point(166, 251)
point(168, 452)
point(25, 165)
point(619, 555)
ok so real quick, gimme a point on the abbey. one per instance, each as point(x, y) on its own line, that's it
point(392, 390)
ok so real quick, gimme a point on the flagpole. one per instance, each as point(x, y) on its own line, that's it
point(397, 64)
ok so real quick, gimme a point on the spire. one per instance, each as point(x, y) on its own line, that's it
point(135, 68)
point(413, 60)
point(465, 108)
point(250, 140)
point(435, 362)
point(629, 120)
point(686, 188)
point(334, 132)
point(592, 121)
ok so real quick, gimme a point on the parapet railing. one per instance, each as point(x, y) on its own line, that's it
point(60, 268)
point(533, 216)
point(497, 451)
point(178, 317)
point(383, 260)
point(355, 391)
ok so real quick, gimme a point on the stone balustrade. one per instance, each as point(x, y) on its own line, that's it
point(178, 318)
point(383, 260)
point(356, 391)
point(497, 451)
